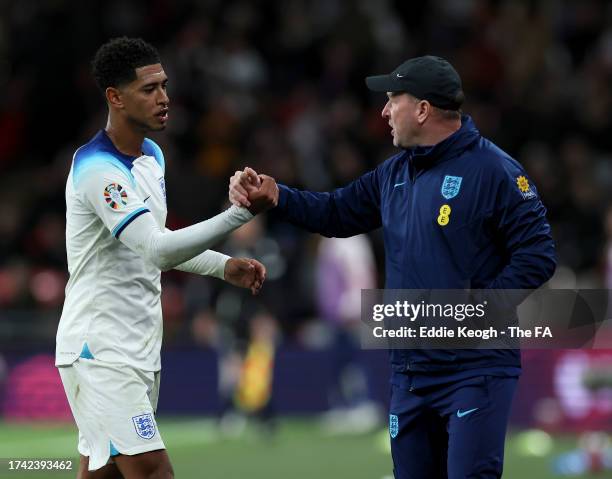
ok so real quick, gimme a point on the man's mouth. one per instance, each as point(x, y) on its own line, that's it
point(163, 115)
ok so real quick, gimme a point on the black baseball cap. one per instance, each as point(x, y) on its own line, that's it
point(426, 78)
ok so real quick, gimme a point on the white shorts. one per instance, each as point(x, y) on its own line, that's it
point(114, 408)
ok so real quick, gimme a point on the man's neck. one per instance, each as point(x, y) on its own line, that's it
point(439, 132)
point(126, 139)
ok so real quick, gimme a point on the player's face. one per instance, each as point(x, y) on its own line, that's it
point(401, 112)
point(145, 99)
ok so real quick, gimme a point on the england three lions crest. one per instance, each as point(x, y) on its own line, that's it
point(145, 425)
point(451, 186)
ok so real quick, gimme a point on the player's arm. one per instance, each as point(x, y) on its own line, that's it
point(344, 212)
point(208, 263)
point(110, 192)
point(241, 272)
point(523, 230)
point(169, 249)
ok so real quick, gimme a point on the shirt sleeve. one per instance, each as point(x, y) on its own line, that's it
point(110, 191)
point(168, 249)
point(208, 263)
point(520, 220)
point(344, 212)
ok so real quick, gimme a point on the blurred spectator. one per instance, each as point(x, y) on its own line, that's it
point(345, 266)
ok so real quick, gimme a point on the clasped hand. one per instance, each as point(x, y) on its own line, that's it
point(255, 192)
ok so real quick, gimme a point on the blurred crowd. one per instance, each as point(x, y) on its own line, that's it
point(279, 86)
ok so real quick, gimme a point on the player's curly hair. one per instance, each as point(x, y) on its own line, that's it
point(116, 61)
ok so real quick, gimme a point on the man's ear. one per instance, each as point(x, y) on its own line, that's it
point(113, 96)
point(423, 111)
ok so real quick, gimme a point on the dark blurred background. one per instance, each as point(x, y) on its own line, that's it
point(279, 86)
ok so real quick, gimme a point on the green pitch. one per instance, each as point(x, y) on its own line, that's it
point(300, 449)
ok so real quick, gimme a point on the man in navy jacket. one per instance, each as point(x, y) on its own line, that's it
point(457, 212)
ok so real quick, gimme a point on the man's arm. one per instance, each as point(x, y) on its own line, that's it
point(208, 263)
point(168, 249)
point(111, 193)
point(241, 272)
point(525, 232)
point(344, 212)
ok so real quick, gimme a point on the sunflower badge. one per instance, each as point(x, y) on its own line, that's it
point(525, 188)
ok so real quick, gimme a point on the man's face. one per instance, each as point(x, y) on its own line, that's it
point(401, 111)
point(145, 99)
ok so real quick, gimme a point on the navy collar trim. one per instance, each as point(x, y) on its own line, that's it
point(126, 159)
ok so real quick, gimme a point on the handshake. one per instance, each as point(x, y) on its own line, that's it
point(257, 193)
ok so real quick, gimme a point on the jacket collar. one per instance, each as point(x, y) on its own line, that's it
point(423, 157)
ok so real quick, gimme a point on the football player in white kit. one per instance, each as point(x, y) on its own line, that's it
point(110, 332)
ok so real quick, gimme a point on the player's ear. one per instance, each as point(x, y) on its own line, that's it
point(113, 96)
point(423, 111)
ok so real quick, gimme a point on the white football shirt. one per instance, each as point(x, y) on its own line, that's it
point(112, 309)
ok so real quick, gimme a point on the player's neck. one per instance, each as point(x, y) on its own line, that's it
point(126, 139)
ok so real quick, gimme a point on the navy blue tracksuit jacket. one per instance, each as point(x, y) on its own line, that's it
point(495, 234)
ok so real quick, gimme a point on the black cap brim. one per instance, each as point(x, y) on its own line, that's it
point(428, 78)
point(384, 83)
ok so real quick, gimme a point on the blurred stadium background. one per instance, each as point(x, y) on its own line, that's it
point(277, 386)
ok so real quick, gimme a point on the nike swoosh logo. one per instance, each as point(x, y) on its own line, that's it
point(399, 75)
point(399, 184)
point(460, 414)
point(145, 200)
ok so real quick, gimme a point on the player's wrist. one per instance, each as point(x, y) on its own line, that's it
point(225, 268)
point(241, 213)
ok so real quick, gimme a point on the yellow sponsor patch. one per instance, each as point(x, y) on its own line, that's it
point(444, 217)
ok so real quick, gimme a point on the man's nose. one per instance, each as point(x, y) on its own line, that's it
point(385, 111)
point(163, 98)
